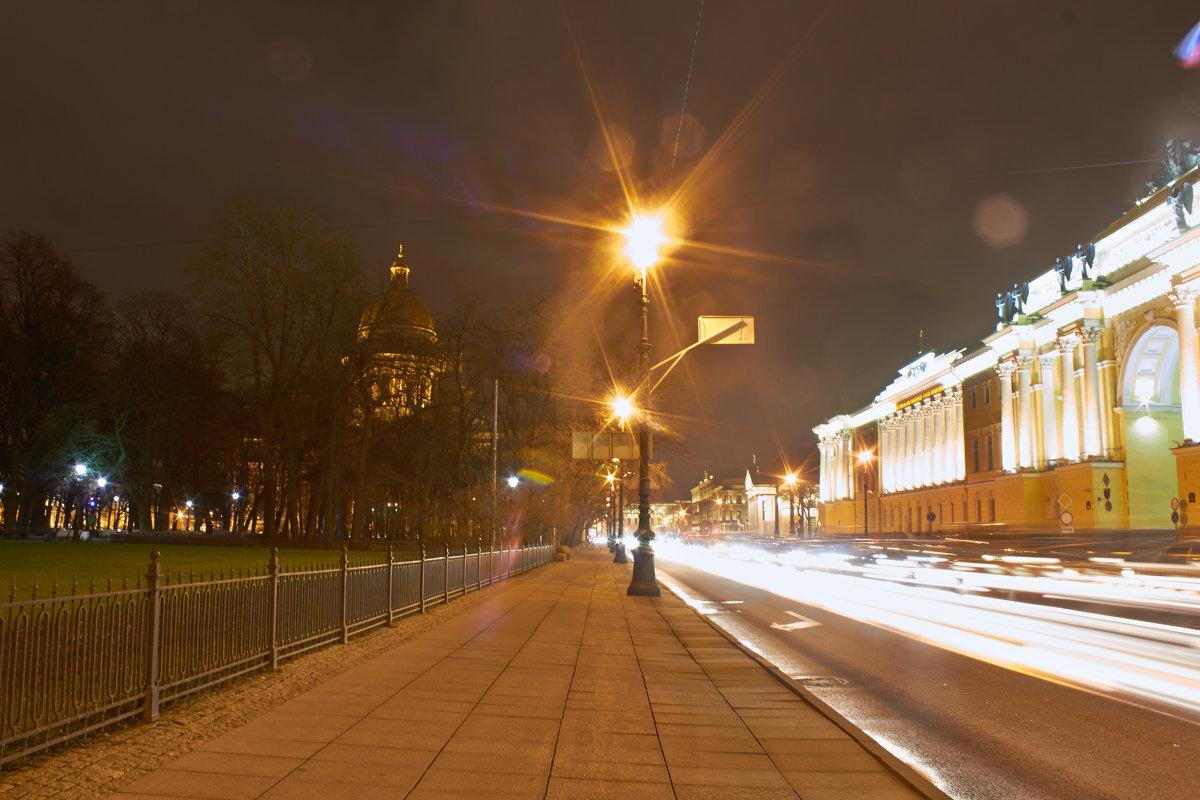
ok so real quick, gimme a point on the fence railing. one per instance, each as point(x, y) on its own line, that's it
point(70, 666)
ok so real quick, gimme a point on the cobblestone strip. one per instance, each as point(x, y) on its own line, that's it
point(98, 767)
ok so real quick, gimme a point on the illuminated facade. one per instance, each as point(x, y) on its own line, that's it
point(1080, 412)
point(719, 505)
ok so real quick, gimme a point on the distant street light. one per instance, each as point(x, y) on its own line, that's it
point(789, 480)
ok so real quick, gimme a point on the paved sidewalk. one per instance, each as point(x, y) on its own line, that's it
point(559, 686)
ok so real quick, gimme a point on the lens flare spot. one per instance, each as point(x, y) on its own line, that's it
point(1001, 221)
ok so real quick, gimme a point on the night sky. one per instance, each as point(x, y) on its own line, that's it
point(851, 174)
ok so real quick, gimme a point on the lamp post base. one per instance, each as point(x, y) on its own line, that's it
point(618, 549)
point(644, 583)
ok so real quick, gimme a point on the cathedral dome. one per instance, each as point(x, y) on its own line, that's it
point(397, 321)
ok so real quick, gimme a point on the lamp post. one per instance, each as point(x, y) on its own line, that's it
point(187, 524)
point(234, 496)
point(643, 239)
point(864, 458)
point(789, 480)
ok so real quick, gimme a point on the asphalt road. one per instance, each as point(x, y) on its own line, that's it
point(977, 730)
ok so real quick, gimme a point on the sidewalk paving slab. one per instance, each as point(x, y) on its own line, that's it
point(558, 686)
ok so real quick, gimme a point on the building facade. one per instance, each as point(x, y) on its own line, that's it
point(1080, 412)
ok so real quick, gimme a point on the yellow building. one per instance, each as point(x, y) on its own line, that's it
point(1080, 412)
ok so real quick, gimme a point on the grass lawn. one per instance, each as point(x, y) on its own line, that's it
point(21, 561)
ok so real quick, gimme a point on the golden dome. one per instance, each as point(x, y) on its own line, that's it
point(397, 321)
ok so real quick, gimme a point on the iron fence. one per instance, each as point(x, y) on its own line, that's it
point(70, 666)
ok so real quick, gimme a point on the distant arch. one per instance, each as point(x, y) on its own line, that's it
point(1150, 369)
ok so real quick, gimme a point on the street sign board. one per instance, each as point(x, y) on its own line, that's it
point(726, 330)
point(603, 445)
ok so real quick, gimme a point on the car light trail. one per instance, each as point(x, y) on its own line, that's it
point(1098, 652)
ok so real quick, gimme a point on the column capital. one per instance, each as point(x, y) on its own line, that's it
point(1024, 362)
point(1067, 342)
point(1006, 367)
point(1090, 335)
point(1047, 361)
point(1183, 296)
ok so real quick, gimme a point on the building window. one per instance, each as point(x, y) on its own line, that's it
point(987, 394)
point(952, 512)
point(991, 454)
point(973, 391)
point(991, 509)
point(975, 451)
point(978, 511)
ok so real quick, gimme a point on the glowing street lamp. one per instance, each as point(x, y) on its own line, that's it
point(644, 240)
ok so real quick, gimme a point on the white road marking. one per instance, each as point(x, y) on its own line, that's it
point(802, 623)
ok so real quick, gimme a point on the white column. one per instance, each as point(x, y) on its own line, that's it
point(848, 466)
point(918, 445)
point(839, 483)
point(1091, 392)
point(1008, 443)
point(823, 481)
point(1184, 300)
point(881, 427)
point(891, 448)
point(951, 433)
point(938, 451)
point(901, 423)
point(1070, 406)
point(927, 443)
point(1024, 413)
point(1049, 407)
point(960, 446)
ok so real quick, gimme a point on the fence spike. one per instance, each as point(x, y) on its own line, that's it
point(33, 593)
point(54, 587)
point(91, 583)
point(12, 593)
point(109, 582)
point(74, 581)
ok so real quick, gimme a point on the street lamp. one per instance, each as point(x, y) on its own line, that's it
point(789, 480)
point(864, 458)
point(644, 238)
point(233, 511)
point(187, 524)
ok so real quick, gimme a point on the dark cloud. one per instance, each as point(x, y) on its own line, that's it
point(900, 162)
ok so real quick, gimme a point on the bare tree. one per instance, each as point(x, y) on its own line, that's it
point(283, 295)
point(50, 333)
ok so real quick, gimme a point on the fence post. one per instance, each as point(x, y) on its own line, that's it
point(153, 631)
point(422, 549)
point(345, 592)
point(273, 569)
point(446, 576)
point(391, 619)
point(464, 570)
